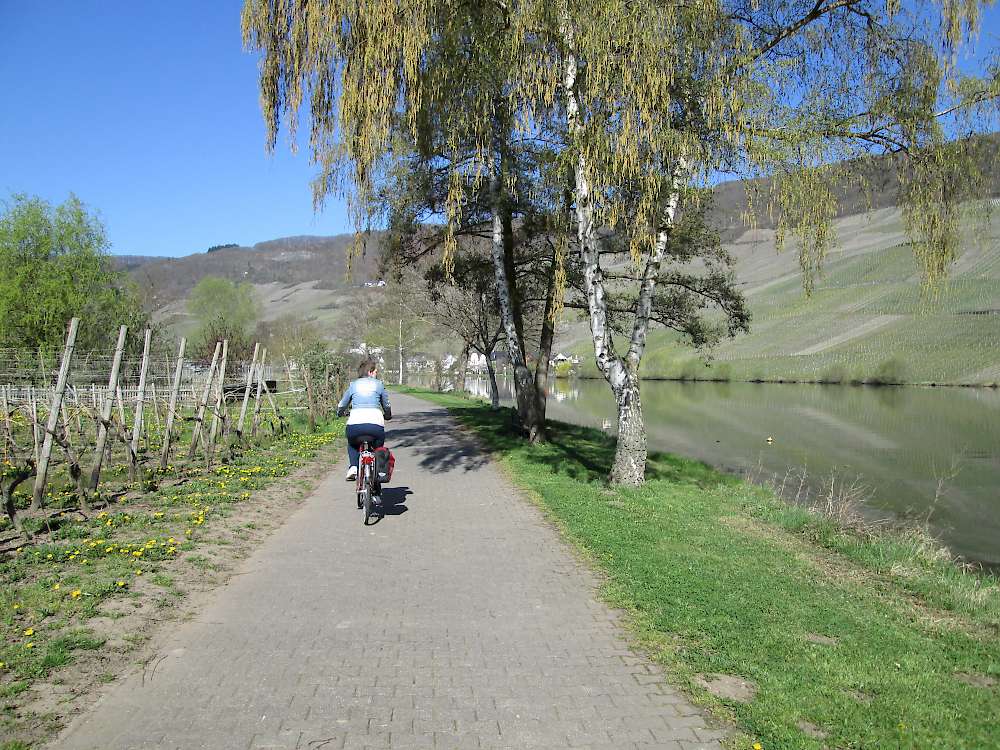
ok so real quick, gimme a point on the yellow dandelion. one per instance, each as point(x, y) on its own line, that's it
point(138, 572)
point(29, 631)
point(120, 583)
point(56, 587)
point(29, 645)
point(75, 593)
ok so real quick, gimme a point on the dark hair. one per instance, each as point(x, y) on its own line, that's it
point(366, 367)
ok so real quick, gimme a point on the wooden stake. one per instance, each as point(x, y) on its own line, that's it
point(33, 407)
point(53, 420)
point(106, 406)
point(140, 397)
point(220, 402)
point(256, 400)
point(199, 419)
point(156, 406)
point(165, 454)
point(65, 421)
point(246, 392)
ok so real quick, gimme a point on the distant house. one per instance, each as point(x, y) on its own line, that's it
point(379, 283)
point(574, 360)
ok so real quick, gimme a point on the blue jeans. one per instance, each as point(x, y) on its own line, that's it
point(354, 431)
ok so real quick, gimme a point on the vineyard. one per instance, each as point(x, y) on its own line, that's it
point(115, 466)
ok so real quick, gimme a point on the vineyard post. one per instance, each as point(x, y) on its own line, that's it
point(7, 430)
point(220, 403)
point(256, 400)
point(175, 389)
point(246, 392)
point(156, 405)
point(53, 418)
point(274, 407)
point(65, 421)
point(140, 397)
point(33, 407)
point(199, 418)
point(106, 406)
point(288, 373)
point(120, 401)
point(310, 396)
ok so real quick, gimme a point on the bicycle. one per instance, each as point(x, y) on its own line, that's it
point(368, 487)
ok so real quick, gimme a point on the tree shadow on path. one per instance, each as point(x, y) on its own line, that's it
point(438, 442)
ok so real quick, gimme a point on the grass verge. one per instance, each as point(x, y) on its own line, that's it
point(847, 640)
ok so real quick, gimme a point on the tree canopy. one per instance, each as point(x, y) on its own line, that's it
point(224, 310)
point(54, 265)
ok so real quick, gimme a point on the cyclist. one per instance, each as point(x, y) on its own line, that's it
point(368, 403)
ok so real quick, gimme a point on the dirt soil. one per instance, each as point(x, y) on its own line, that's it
point(134, 626)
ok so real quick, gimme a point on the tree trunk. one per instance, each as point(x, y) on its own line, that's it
point(494, 388)
point(541, 384)
point(463, 370)
point(629, 467)
point(523, 383)
point(400, 378)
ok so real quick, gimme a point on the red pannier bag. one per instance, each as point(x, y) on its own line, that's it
point(384, 464)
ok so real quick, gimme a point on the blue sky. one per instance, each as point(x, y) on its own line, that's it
point(148, 111)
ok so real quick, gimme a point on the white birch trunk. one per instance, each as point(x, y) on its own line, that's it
point(622, 374)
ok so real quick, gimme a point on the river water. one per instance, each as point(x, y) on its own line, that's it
point(930, 454)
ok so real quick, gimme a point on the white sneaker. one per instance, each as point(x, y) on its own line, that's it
point(352, 473)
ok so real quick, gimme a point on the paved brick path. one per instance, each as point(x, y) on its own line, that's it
point(458, 621)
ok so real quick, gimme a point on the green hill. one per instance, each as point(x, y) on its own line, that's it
point(305, 276)
point(867, 320)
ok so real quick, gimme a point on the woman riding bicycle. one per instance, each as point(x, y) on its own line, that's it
point(369, 409)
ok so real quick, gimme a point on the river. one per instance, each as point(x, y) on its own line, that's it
point(926, 454)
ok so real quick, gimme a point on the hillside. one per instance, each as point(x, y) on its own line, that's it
point(305, 276)
point(867, 319)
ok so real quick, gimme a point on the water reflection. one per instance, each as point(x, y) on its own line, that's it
point(923, 453)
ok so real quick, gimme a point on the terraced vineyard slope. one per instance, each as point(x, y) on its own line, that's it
point(868, 319)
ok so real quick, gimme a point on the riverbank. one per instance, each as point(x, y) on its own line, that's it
point(874, 383)
point(801, 633)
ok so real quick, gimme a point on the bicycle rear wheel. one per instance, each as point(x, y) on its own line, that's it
point(366, 494)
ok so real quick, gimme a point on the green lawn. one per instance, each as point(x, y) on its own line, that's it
point(868, 640)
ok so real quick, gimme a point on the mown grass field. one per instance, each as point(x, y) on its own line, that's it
point(850, 640)
point(868, 319)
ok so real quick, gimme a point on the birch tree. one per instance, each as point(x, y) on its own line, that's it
point(658, 99)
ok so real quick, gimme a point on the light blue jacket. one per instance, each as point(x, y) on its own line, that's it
point(369, 402)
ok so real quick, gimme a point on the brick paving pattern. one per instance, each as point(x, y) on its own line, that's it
point(458, 621)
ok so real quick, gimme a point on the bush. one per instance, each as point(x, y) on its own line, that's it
point(564, 370)
point(891, 372)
